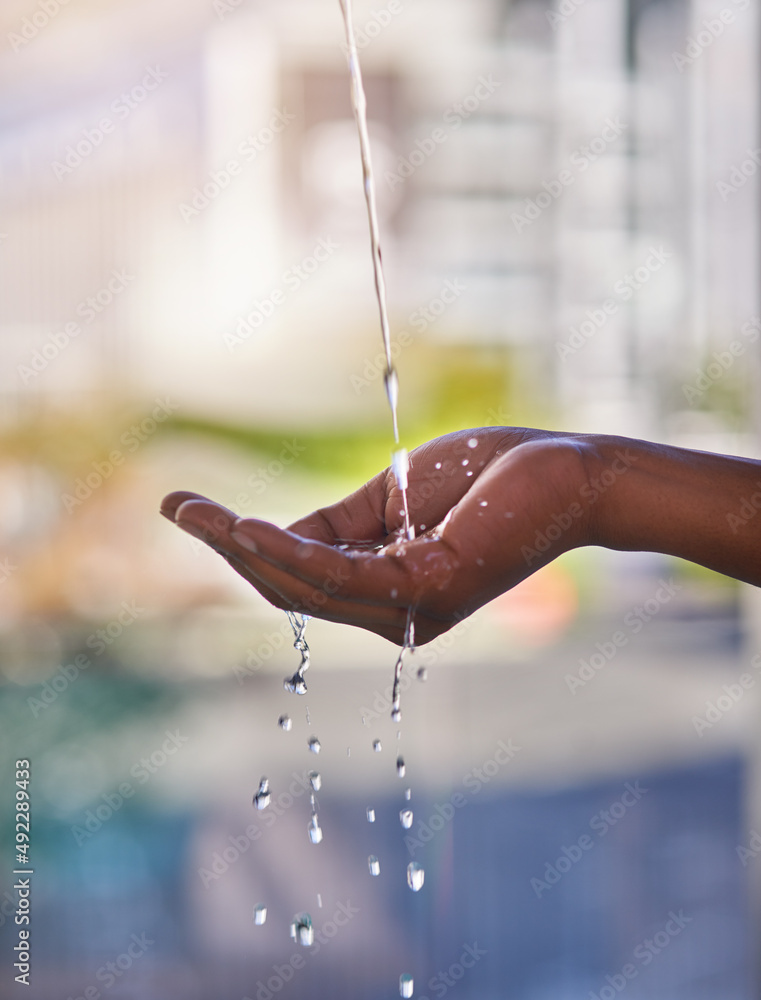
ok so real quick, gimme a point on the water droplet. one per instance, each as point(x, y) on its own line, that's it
point(394, 593)
point(468, 473)
point(295, 684)
point(302, 930)
point(406, 985)
point(319, 900)
point(260, 914)
point(285, 722)
point(415, 876)
point(377, 746)
point(408, 794)
point(315, 830)
point(401, 767)
point(374, 865)
point(405, 818)
point(480, 562)
point(473, 443)
point(262, 797)
point(396, 715)
point(484, 503)
point(465, 461)
point(315, 780)
point(370, 815)
point(348, 751)
point(438, 465)
point(509, 513)
point(422, 674)
point(314, 744)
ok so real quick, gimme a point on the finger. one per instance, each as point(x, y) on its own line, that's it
point(315, 594)
point(359, 519)
point(352, 575)
point(173, 501)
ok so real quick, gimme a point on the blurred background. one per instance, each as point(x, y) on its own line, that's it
point(569, 204)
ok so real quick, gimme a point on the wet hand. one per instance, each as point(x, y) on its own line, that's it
point(476, 499)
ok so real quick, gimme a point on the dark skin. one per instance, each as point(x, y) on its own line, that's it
point(532, 495)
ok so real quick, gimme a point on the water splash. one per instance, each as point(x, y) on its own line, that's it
point(260, 914)
point(263, 796)
point(415, 876)
point(302, 930)
point(297, 684)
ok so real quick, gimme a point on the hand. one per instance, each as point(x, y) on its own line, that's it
point(477, 500)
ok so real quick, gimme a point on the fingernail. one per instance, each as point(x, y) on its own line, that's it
point(202, 534)
point(245, 541)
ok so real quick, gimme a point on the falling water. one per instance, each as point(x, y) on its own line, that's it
point(263, 796)
point(260, 914)
point(302, 930)
point(390, 378)
point(415, 876)
point(297, 684)
point(406, 985)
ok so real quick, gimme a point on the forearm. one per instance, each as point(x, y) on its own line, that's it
point(695, 505)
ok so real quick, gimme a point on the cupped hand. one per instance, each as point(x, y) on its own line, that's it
point(478, 501)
